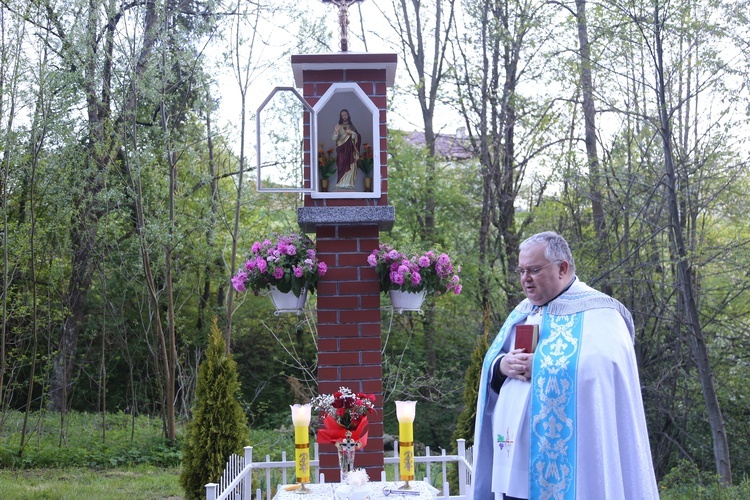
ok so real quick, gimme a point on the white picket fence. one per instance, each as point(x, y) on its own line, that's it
point(236, 482)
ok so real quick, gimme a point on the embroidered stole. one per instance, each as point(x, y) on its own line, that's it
point(553, 408)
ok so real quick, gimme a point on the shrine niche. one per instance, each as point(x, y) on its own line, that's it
point(350, 143)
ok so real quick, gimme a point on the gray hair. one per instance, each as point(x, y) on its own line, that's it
point(556, 249)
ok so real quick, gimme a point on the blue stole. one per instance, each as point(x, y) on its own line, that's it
point(553, 408)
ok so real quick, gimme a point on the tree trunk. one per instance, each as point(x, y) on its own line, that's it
point(685, 280)
point(102, 145)
point(589, 115)
point(427, 77)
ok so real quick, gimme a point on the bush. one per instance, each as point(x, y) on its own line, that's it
point(218, 428)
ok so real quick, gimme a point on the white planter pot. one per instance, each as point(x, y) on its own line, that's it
point(407, 301)
point(287, 302)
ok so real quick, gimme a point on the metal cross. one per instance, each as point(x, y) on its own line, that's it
point(343, 6)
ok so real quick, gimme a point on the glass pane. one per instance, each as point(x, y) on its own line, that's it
point(281, 129)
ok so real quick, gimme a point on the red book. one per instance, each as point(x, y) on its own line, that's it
point(526, 337)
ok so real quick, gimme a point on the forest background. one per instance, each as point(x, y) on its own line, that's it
point(126, 202)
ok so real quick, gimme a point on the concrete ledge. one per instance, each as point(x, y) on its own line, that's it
point(309, 218)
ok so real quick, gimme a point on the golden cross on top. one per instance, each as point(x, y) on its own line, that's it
point(343, 6)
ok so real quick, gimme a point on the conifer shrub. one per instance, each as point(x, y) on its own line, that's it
point(219, 426)
point(465, 421)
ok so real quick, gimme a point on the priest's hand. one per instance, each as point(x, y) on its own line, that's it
point(517, 364)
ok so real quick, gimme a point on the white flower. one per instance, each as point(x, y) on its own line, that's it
point(357, 478)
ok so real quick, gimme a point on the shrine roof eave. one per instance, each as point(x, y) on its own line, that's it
point(344, 60)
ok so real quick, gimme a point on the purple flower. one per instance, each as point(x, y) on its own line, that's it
point(311, 253)
point(256, 247)
point(278, 273)
point(393, 255)
point(322, 268)
point(458, 289)
point(238, 281)
point(262, 264)
point(372, 259)
point(416, 279)
point(424, 261)
point(298, 272)
point(397, 278)
point(250, 265)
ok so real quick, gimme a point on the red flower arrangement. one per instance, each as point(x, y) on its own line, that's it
point(343, 411)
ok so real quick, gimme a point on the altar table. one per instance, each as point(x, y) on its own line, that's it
point(331, 491)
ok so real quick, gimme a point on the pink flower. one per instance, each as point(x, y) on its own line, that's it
point(238, 281)
point(256, 247)
point(262, 264)
point(372, 259)
point(397, 278)
point(322, 268)
point(415, 279)
point(458, 289)
point(278, 273)
point(250, 265)
point(424, 261)
point(444, 260)
point(298, 272)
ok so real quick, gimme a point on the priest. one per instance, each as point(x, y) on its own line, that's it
point(565, 421)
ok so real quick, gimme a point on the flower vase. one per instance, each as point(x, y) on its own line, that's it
point(324, 185)
point(368, 184)
point(347, 448)
point(407, 301)
point(287, 302)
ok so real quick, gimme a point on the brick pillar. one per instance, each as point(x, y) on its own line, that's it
point(349, 333)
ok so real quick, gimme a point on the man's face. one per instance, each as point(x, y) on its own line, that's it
point(345, 116)
point(548, 282)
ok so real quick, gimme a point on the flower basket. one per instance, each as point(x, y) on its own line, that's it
point(407, 301)
point(286, 264)
point(287, 302)
point(420, 273)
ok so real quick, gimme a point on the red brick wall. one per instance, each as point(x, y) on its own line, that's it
point(349, 333)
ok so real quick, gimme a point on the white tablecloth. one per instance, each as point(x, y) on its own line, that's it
point(329, 491)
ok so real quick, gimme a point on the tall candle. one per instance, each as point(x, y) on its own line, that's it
point(301, 421)
point(405, 411)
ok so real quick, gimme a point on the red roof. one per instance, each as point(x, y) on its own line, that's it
point(449, 146)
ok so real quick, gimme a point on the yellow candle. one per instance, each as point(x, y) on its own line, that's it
point(302, 453)
point(301, 420)
point(405, 414)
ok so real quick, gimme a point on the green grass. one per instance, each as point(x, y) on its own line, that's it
point(85, 441)
point(143, 482)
